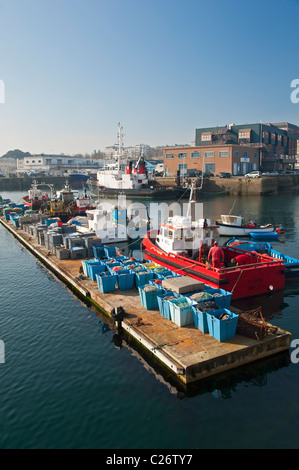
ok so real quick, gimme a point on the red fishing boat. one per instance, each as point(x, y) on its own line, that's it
point(36, 197)
point(182, 245)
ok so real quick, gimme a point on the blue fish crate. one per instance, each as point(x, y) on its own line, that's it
point(125, 279)
point(98, 251)
point(163, 303)
point(110, 266)
point(161, 273)
point(181, 312)
point(87, 262)
point(110, 250)
point(221, 296)
point(222, 329)
point(200, 320)
point(120, 259)
point(149, 296)
point(106, 283)
point(93, 269)
point(142, 278)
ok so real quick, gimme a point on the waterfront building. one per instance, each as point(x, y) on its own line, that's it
point(54, 164)
point(237, 149)
point(212, 159)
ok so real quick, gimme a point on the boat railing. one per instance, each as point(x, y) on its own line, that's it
point(263, 260)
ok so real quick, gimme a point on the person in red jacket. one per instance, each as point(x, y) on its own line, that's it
point(240, 260)
point(216, 255)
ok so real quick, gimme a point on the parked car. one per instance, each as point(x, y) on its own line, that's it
point(253, 174)
point(224, 174)
point(193, 173)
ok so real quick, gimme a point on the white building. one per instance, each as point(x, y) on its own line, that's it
point(54, 164)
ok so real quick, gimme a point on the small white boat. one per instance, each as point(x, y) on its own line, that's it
point(233, 225)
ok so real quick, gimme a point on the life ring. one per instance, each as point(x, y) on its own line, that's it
point(118, 313)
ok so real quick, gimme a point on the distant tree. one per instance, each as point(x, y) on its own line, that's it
point(16, 154)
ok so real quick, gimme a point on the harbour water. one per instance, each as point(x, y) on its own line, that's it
point(67, 383)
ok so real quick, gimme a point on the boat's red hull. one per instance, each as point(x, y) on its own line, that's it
point(259, 278)
point(36, 203)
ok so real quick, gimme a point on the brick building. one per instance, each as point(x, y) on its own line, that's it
point(237, 149)
point(234, 159)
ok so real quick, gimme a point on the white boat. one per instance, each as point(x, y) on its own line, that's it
point(108, 223)
point(233, 225)
point(129, 178)
point(114, 223)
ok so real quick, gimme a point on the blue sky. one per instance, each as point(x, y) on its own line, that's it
point(73, 69)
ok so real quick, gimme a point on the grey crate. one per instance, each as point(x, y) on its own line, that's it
point(62, 253)
point(78, 253)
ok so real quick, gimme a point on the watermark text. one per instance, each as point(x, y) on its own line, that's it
point(295, 92)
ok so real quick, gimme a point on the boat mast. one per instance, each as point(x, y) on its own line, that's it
point(190, 200)
point(120, 144)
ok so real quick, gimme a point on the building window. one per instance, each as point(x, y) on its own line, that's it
point(245, 154)
point(195, 154)
point(182, 155)
point(209, 154)
point(255, 154)
point(236, 153)
point(206, 137)
point(169, 156)
point(223, 153)
point(244, 134)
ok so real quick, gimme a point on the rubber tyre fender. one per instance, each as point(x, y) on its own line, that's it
point(118, 313)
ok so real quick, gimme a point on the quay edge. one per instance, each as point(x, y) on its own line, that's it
point(187, 353)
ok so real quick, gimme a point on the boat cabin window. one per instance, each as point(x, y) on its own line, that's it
point(230, 219)
point(178, 234)
point(188, 235)
point(170, 234)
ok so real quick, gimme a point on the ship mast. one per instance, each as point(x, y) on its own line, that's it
point(191, 200)
point(120, 144)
